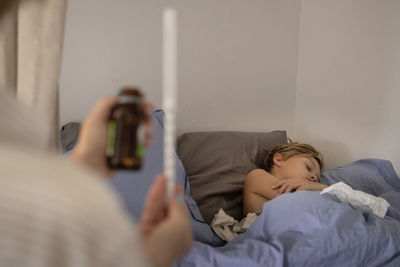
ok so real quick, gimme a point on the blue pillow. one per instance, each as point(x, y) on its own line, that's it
point(373, 176)
point(132, 186)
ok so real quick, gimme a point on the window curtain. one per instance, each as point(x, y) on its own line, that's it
point(31, 38)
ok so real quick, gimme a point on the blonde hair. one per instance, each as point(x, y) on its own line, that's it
point(292, 149)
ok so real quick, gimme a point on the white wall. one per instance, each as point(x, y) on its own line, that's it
point(240, 63)
point(348, 79)
point(237, 59)
point(108, 44)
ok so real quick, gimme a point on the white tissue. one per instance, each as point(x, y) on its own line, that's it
point(358, 199)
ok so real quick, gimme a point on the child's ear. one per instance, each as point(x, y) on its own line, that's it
point(313, 179)
point(278, 159)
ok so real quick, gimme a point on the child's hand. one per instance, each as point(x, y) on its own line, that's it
point(293, 185)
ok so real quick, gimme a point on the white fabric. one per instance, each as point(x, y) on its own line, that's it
point(227, 228)
point(358, 199)
point(31, 38)
point(19, 125)
point(53, 212)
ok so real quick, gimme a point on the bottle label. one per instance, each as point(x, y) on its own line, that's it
point(140, 150)
point(111, 138)
point(129, 99)
point(141, 140)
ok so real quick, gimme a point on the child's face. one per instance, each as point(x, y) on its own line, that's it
point(299, 166)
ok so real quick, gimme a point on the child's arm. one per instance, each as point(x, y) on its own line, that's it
point(293, 185)
point(257, 190)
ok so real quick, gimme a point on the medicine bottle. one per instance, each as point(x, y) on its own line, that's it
point(125, 145)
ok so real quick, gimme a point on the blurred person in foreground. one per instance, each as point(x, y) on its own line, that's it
point(58, 212)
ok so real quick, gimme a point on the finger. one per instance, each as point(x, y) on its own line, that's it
point(157, 194)
point(283, 188)
point(287, 189)
point(277, 185)
point(149, 125)
point(177, 203)
point(300, 188)
point(179, 190)
point(102, 110)
point(178, 213)
point(179, 195)
point(148, 134)
point(154, 209)
point(147, 107)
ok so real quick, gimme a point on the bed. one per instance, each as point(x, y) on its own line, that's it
point(297, 229)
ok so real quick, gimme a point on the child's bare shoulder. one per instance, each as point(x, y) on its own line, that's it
point(257, 172)
point(260, 182)
point(260, 176)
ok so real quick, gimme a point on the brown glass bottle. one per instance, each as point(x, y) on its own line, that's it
point(125, 146)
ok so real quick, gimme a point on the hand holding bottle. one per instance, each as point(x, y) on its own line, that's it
point(92, 143)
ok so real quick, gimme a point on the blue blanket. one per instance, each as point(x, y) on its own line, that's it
point(309, 229)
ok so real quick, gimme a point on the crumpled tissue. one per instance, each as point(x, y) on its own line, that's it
point(227, 228)
point(358, 199)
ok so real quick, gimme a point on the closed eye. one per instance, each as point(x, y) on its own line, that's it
point(308, 167)
point(311, 166)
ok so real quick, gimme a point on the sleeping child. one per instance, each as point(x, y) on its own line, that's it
point(287, 168)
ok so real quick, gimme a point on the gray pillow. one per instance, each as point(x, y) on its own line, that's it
point(69, 136)
point(217, 164)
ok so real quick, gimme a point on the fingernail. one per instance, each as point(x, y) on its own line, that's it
point(180, 198)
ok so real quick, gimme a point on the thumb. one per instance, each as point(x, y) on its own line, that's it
point(102, 110)
point(177, 205)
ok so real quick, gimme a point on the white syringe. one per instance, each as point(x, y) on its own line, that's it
point(169, 94)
